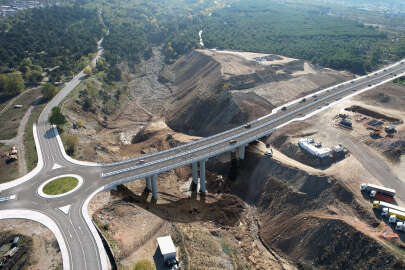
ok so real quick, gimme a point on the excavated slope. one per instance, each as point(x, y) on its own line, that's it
point(310, 218)
point(202, 105)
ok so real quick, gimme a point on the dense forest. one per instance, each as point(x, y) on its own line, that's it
point(295, 32)
point(63, 37)
point(266, 26)
point(55, 38)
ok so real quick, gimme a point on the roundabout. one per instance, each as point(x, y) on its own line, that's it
point(60, 186)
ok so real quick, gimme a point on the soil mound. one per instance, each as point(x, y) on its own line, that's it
point(203, 104)
point(373, 114)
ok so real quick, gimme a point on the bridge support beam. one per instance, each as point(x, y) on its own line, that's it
point(148, 183)
point(154, 189)
point(203, 188)
point(194, 167)
point(241, 152)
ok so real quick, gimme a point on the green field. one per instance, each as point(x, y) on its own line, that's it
point(10, 119)
point(60, 185)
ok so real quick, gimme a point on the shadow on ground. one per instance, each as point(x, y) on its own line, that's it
point(225, 210)
point(49, 134)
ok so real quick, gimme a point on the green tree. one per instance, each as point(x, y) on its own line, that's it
point(57, 118)
point(3, 83)
point(144, 265)
point(49, 91)
point(114, 74)
point(14, 84)
point(35, 76)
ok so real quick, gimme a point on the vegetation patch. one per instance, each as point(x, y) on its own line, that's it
point(31, 156)
point(8, 170)
point(10, 119)
point(60, 185)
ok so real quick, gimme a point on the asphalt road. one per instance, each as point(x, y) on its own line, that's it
point(81, 244)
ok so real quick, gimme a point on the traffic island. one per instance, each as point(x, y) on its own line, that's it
point(60, 186)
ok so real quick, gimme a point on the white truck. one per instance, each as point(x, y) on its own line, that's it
point(394, 215)
point(374, 189)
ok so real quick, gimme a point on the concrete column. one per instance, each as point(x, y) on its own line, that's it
point(202, 177)
point(149, 183)
point(194, 167)
point(154, 191)
point(241, 152)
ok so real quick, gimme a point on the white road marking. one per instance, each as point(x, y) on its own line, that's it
point(56, 166)
point(65, 209)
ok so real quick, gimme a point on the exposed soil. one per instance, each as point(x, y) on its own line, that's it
point(307, 219)
point(39, 250)
point(377, 115)
point(208, 100)
point(314, 219)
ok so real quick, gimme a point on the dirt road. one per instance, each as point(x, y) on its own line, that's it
point(18, 141)
point(372, 162)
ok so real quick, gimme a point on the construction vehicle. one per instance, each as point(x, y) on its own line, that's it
point(372, 190)
point(375, 133)
point(400, 226)
point(346, 123)
point(269, 153)
point(382, 205)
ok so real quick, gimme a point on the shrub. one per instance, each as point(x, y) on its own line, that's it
point(144, 265)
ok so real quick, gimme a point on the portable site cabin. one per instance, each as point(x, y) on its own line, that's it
point(167, 247)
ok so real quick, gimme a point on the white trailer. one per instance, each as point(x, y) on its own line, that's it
point(373, 189)
point(381, 205)
point(168, 251)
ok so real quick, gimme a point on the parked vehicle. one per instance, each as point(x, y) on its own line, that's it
point(233, 141)
point(382, 205)
point(373, 189)
point(393, 215)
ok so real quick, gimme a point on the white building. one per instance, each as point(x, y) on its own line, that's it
point(311, 149)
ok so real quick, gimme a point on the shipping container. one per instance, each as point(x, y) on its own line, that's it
point(383, 197)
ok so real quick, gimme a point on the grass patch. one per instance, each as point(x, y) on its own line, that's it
point(60, 185)
point(10, 119)
point(226, 249)
point(31, 157)
point(8, 171)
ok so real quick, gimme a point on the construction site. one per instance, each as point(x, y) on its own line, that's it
point(303, 182)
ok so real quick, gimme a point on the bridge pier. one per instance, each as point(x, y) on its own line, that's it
point(194, 167)
point(148, 183)
point(241, 152)
point(154, 190)
point(203, 188)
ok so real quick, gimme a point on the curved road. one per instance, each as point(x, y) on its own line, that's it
point(83, 244)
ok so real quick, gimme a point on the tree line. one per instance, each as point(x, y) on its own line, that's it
point(54, 39)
